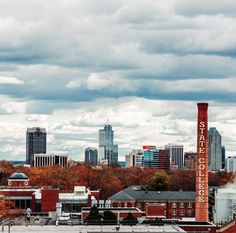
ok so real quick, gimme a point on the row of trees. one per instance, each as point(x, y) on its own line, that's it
point(108, 218)
point(111, 179)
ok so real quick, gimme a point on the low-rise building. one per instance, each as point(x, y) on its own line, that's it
point(44, 160)
point(45, 199)
point(163, 204)
point(225, 205)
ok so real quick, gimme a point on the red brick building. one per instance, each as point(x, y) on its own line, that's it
point(23, 196)
point(228, 228)
point(164, 204)
point(45, 199)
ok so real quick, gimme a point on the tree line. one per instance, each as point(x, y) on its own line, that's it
point(110, 180)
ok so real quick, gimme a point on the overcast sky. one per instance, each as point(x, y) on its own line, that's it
point(69, 65)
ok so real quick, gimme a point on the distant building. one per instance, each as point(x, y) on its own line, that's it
point(91, 156)
point(190, 160)
point(44, 160)
point(36, 143)
point(214, 150)
point(122, 164)
point(176, 155)
point(134, 158)
point(223, 156)
point(156, 158)
point(108, 151)
point(225, 205)
point(231, 164)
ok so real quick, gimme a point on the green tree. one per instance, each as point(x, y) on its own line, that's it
point(160, 182)
point(129, 220)
point(109, 218)
point(93, 217)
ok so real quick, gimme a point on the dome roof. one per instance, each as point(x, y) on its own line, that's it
point(18, 176)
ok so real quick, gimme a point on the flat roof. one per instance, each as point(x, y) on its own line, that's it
point(114, 209)
point(94, 228)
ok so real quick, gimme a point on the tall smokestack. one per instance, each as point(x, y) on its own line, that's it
point(201, 206)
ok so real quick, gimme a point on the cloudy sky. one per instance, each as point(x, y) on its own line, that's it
point(69, 65)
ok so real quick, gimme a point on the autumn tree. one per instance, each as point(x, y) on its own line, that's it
point(160, 182)
point(5, 206)
point(182, 180)
point(109, 183)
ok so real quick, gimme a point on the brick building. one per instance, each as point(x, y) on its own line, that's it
point(164, 204)
point(45, 199)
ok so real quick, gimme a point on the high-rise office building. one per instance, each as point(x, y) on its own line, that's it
point(108, 151)
point(155, 158)
point(134, 158)
point(231, 164)
point(36, 143)
point(91, 156)
point(223, 156)
point(214, 150)
point(176, 153)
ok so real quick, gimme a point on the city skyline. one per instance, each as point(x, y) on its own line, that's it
point(144, 65)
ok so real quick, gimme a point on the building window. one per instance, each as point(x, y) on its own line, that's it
point(173, 212)
point(181, 212)
point(173, 204)
point(190, 205)
point(189, 212)
point(181, 204)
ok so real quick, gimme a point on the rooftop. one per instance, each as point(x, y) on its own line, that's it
point(18, 176)
point(136, 193)
point(36, 129)
point(92, 228)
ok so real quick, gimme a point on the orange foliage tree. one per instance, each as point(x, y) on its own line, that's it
point(5, 207)
point(110, 180)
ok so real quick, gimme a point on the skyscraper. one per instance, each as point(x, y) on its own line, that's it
point(91, 156)
point(231, 164)
point(36, 141)
point(214, 150)
point(223, 157)
point(176, 153)
point(108, 152)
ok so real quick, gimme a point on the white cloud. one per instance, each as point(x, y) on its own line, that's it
point(37, 118)
point(10, 80)
point(95, 82)
point(9, 106)
point(73, 84)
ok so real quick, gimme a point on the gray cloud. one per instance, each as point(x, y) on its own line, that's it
point(68, 66)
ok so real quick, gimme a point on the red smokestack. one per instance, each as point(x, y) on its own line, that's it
point(201, 213)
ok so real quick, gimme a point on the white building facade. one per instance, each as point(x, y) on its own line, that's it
point(134, 158)
point(231, 164)
point(225, 205)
